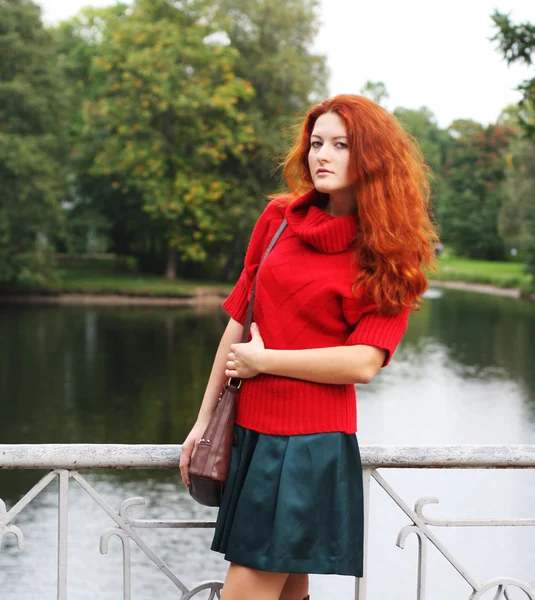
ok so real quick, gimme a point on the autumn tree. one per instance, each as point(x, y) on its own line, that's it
point(475, 172)
point(215, 86)
point(168, 125)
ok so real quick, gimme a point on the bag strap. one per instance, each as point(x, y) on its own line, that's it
point(249, 313)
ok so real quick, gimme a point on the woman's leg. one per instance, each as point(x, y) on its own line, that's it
point(243, 583)
point(296, 587)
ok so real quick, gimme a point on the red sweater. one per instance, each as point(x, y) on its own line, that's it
point(304, 300)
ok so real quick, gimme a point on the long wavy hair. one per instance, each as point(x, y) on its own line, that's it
point(395, 234)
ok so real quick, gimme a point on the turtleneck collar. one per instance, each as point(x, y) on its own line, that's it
point(314, 226)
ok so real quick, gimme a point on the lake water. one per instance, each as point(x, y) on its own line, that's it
point(464, 374)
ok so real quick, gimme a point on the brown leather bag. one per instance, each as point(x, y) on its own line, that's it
point(210, 463)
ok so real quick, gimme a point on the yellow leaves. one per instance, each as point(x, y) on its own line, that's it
point(115, 185)
point(117, 37)
point(163, 105)
point(137, 82)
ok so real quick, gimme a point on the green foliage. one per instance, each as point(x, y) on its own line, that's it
point(519, 203)
point(434, 143)
point(517, 43)
point(475, 172)
point(178, 120)
point(500, 274)
point(167, 122)
point(274, 41)
point(376, 91)
point(32, 143)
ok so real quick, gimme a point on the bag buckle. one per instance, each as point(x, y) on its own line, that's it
point(229, 382)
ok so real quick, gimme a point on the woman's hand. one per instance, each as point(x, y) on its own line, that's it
point(188, 448)
point(244, 359)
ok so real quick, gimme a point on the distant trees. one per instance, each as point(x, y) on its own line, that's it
point(179, 114)
point(517, 43)
point(375, 91)
point(475, 172)
point(32, 143)
point(154, 129)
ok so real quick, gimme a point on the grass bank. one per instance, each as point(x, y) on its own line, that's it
point(100, 278)
point(499, 274)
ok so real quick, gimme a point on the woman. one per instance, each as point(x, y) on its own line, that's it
point(332, 303)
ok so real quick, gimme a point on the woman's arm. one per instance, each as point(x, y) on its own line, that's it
point(339, 364)
point(231, 335)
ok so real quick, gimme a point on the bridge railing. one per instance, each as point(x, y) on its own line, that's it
point(63, 462)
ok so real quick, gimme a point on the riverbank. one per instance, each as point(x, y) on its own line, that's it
point(204, 298)
point(96, 285)
point(213, 297)
point(478, 288)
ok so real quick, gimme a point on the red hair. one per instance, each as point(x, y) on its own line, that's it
point(395, 235)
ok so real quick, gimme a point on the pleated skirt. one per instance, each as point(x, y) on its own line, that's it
point(293, 504)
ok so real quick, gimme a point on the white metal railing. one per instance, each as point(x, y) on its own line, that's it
point(62, 461)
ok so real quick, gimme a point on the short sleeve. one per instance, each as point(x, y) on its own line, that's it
point(374, 329)
point(265, 228)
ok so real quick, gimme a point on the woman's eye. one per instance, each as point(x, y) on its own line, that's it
point(341, 145)
point(315, 144)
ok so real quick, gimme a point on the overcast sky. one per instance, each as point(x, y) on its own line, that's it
point(435, 53)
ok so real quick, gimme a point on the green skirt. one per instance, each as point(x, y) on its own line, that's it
point(293, 504)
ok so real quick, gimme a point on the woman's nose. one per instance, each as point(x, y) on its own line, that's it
point(323, 153)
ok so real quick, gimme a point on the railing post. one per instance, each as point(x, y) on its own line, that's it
point(63, 520)
point(360, 582)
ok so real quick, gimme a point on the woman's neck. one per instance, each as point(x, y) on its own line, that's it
point(341, 203)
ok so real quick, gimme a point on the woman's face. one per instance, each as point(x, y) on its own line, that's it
point(328, 157)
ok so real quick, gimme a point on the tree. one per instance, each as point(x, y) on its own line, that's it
point(32, 143)
point(518, 208)
point(434, 143)
point(274, 41)
point(168, 126)
point(376, 91)
point(475, 172)
point(114, 58)
point(517, 43)
point(95, 204)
